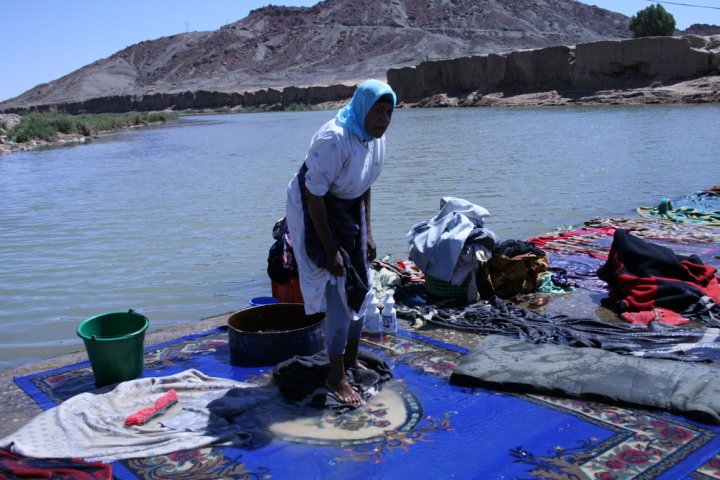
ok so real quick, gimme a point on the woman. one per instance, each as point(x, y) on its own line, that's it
point(328, 215)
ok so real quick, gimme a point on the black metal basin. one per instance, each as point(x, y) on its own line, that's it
point(269, 334)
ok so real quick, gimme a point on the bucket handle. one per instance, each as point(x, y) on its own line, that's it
point(95, 337)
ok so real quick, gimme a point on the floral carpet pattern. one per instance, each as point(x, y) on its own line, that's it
point(419, 427)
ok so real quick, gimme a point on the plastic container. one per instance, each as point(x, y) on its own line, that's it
point(115, 344)
point(373, 321)
point(262, 301)
point(389, 314)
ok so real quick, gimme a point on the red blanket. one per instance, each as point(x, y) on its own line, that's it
point(16, 466)
point(650, 278)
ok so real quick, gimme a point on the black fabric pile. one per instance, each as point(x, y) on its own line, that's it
point(498, 316)
point(302, 379)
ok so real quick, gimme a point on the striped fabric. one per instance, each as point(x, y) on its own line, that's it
point(349, 230)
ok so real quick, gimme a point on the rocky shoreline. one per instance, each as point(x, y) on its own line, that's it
point(696, 91)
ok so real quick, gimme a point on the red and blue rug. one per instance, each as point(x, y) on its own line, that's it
point(418, 427)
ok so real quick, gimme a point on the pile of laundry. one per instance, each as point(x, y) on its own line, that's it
point(456, 249)
point(650, 282)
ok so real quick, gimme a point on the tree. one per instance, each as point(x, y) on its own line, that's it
point(654, 21)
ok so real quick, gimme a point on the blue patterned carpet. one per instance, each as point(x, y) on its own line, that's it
point(418, 427)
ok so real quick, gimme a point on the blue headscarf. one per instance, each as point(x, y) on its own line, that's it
point(352, 116)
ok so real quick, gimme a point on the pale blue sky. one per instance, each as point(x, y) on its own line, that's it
point(46, 39)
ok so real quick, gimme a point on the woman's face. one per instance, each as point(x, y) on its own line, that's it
point(378, 119)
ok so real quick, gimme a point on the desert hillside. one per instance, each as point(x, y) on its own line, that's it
point(332, 42)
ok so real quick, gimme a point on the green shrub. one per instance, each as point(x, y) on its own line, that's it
point(36, 126)
point(84, 129)
point(656, 84)
point(33, 127)
point(298, 107)
point(63, 123)
point(653, 21)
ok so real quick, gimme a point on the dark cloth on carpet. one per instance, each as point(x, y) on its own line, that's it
point(497, 316)
point(514, 365)
point(17, 466)
point(642, 275)
point(347, 222)
point(513, 248)
point(302, 378)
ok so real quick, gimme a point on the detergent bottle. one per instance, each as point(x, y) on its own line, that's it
point(373, 321)
point(389, 314)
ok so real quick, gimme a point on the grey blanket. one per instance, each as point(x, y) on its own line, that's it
point(499, 362)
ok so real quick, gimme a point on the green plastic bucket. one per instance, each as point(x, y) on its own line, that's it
point(115, 345)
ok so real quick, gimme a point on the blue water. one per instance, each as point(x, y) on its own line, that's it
point(176, 221)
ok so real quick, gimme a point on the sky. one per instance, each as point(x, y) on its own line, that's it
point(46, 39)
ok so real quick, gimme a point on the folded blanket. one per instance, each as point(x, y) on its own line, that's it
point(513, 365)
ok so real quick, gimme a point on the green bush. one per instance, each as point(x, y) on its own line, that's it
point(653, 21)
point(33, 127)
point(297, 107)
point(63, 123)
point(37, 126)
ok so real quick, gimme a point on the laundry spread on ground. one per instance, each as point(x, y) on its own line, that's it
point(502, 317)
point(688, 212)
point(656, 273)
point(400, 431)
point(515, 365)
point(92, 426)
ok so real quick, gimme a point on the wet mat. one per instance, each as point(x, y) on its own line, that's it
point(418, 427)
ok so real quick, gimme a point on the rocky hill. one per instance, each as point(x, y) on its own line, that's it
point(333, 42)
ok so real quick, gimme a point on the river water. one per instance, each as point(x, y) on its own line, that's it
point(176, 221)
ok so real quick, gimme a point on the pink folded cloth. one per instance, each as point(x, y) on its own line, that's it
point(142, 416)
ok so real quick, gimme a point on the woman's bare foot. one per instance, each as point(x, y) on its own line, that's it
point(344, 392)
point(338, 383)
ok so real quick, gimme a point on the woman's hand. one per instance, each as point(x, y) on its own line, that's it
point(334, 264)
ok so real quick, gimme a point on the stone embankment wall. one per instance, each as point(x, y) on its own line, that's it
point(268, 99)
point(619, 64)
point(596, 65)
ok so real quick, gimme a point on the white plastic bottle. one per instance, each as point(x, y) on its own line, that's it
point(389, 314)
point(373, 321)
